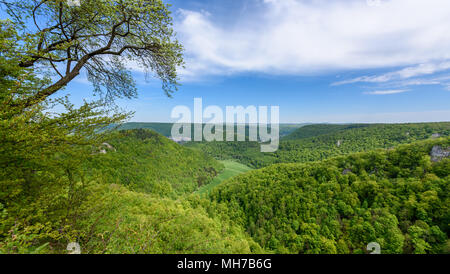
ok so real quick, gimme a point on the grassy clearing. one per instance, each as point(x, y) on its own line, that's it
point(231, 169)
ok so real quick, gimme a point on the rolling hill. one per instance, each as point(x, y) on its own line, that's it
point(166, 128)
point(318, 142)
point(399, 198)
point(146, 161)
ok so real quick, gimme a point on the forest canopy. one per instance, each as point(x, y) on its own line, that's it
point(322, 141)
point(398, 198)
point(82, 175)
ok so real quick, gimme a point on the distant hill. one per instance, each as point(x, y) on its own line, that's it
point(417, 129)
point(320, 129)
point(166, 128)
point(318, 142)
point(162, 128)
point(287, 129)
point(399, 198)
point(146, 161)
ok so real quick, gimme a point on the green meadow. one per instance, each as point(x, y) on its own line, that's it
point(231, 169)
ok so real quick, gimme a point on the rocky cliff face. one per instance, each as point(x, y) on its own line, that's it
point(438, 153)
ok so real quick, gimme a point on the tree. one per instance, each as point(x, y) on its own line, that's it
point(42, 179)
point(100, 36)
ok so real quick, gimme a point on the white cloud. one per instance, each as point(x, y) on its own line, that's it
point(386, 92)
point(408, 72)
point(304, 37)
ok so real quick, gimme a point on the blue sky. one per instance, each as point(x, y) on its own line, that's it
point(349, 61)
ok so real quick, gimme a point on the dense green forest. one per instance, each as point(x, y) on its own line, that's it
point(140, 196)
point(81, 174)
point(146, 161)
point(398, 198)
point(321, 129)
point(317, 142)
point(133, 194)
point(117, 220)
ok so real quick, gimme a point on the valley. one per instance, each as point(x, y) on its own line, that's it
point(145, 193)
point(334, 203)
point(285, 128)
point(231, 169)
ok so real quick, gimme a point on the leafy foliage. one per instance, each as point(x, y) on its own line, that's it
point(398, 198)
point(98, 36)
point(41, 153)
point(148, 162)
point(131, 222)
point(67, 176)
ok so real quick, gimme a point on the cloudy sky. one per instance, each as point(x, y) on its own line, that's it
point(320, 61)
